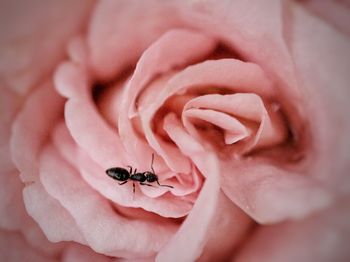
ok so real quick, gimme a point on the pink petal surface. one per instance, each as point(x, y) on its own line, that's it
point(219, 73)
point(11, 206)
point(249, 107)
point(11, 203)
point(9, 104)
point(322, 236)
point(327, 86)
point(78, 51)
point(72, 80)
point(211, 72)
point(36, 238)
point(185, 47)
point(30, 47)
point(267, 193)
point(260, 36)
point(81, 115)
point(59, 225)
point(226, 217)
point(78, 253)
point(229, 226)
point(128, 28)
point(13, 247)
point(193, 233)
point(14, 217)
point(27, 138)
point(104, 229)
point(334, 12)
point(270, 194)
point(168, 206)
point(234, 130)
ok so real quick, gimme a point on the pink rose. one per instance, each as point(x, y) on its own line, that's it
point(243, 105)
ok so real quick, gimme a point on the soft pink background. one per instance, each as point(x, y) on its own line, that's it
point(284, 204)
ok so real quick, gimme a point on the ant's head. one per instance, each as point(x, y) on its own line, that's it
point(150, 176)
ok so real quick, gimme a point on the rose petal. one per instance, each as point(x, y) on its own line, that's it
point(87, 127)
point(113, 235)
point(226, 217)
point(324, 236)
point(258, 34)
point(11, 203)
point(219, 73)
point(78, 253)
point(270, 194)
point(248, 107)
point(9, 104)
point(71, 80)
point(261, 36)
point(13, 215)
point(127, 28)
point(233, 129)
point(59, 225)
point(77, 50)
point(327, 84)
point(334, 12)
point(168, 206)
point(26, 55)
point(36, 238)
point(193, 233)
point(14, 248)
point(31, 128)
point(227, 229)
point(185, 47)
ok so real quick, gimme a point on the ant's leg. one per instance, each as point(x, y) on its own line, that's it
point(135, 171)
point(122, 183)
point(130, 171)
point(164, 185)
point(133, 187)
point(144, 184)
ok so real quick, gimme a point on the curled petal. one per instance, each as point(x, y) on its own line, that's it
point(244, 106)
point(128, 28)
point(322, 236)
point(270, 194)
point(111, 235)
point(219, 73)
point(193, 233)
point(95, 176)
point(31, 129)
point(13, 247)
point(327, 86)
point(79, 253)
point(186, 47)
point(60, 225)
point(234, 130)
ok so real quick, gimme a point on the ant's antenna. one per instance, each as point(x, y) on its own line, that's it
point(155, 173)
point(152, 163)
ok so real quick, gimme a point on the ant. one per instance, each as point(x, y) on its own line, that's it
point(122, 174)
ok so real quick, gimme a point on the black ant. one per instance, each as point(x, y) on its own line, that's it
point(122, 174)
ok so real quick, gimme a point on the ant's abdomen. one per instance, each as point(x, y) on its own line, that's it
point(118, 173)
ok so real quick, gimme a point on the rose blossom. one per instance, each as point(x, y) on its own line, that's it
point(244, 106)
